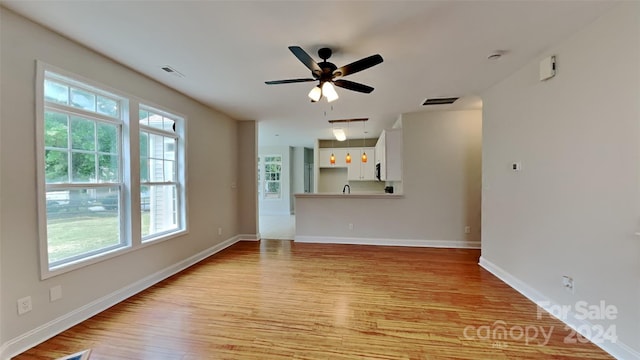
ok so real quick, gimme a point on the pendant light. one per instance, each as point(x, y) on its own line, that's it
point(348, 158)
point(332, 158)
point(364, 133)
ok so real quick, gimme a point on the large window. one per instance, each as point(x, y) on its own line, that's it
point(86, 178)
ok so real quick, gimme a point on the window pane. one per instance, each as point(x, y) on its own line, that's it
point(56, 92)
point(144, 144)
point(83, 167)
point(82, 134)
point(83, 99)
point(156, 170)
point(273, 187)
point(108, 106)
point(81, 222)
point(156, 146)
point(168, 124)
point(107, 138)
point(169, 170)
point(160, 214)
point(144, 169)
point(56, 133)
point(143, 117)
point(155, 120)
point(56, 166)
point(108, 167)
point(169, 148)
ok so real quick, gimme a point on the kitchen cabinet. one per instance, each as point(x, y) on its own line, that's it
point(325, 153)
point(388, 153)
point(358, 170)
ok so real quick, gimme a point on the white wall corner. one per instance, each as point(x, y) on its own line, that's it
point(617, 349)
point(56, 326)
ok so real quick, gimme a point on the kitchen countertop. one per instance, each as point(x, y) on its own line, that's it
point(358, 195)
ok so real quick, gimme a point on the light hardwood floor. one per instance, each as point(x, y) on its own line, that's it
point(284, 300)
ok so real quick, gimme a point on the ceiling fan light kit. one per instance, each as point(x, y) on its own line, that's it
point(327, 74)
point(329, 92)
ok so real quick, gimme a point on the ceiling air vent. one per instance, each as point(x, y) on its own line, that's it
point(439, 101)
point(172, 71)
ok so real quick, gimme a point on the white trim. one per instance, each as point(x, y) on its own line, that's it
point(461, 244)
point(248, 237)
point(54, 327)
point(619, 350)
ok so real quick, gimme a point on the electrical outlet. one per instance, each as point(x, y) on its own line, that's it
point(219, 231)
point(24, 305)
point(55, 293)
point(467, 229)
point(516, 166)
point(350, 226)
point(567, 283)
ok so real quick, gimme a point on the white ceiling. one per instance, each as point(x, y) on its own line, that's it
point(227, 49)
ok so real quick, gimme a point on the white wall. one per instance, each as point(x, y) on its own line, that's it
point(441, 187)
point(332, 180)
point(280, 206)
point(212, 202)
point(574, 207)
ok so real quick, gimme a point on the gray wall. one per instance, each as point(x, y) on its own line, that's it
point(247, 175)
point(441, 182)
point(574, 208)
point(297, 173)
point(212, 155)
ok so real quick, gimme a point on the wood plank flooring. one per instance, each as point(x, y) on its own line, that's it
point(285, 300)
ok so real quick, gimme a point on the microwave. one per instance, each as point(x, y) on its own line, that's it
point(378, 175)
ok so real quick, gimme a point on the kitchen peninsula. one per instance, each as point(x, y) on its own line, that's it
point(342, 218)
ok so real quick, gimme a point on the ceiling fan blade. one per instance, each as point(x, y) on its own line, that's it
point(305, 59)
point(289, 81)
point(350, 85)
point(359, 65)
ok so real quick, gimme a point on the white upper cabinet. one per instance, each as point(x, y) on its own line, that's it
point(359, 170)
point(324, 155)
point(388, 154)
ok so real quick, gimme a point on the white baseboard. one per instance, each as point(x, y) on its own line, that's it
point(44, 332)
point(389, 242)
point(248, 237)
point(618, 349)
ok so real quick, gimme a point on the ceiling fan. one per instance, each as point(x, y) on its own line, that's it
point(327, 74)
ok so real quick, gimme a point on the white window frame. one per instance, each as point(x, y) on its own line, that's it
point(180, 172)
point(129, 168)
